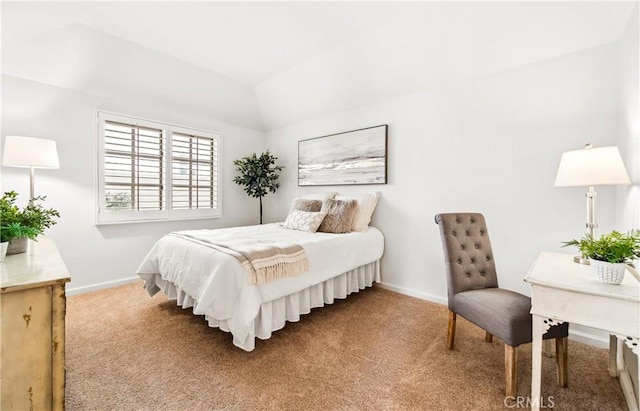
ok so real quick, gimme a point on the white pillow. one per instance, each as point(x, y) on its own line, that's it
point(304, 220)
point(366, 206)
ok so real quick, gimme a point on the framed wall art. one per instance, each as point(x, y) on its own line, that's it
point(352, 157)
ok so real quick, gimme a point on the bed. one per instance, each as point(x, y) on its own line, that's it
point(215, 284)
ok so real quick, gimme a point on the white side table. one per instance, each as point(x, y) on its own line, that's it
point(564, 291)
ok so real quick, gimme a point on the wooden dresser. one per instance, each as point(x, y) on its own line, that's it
point(32, 316)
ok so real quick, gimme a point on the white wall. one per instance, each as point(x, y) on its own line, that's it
point(101, 254)
point(628, 123)
point(628, 139)
point(490, 145)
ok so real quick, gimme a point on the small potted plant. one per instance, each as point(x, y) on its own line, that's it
point(17, 225)
point(610, 254)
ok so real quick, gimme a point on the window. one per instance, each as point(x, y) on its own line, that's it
point(194, 180)
point(154, 171)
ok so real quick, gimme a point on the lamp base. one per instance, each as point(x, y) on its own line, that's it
point(580, 260)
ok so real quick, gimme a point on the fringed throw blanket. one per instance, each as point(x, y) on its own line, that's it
point(264, 261)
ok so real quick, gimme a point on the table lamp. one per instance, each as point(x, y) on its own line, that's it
point(30, 152)
point(590, 167)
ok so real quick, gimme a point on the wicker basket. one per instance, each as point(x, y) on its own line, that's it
point(608, 273)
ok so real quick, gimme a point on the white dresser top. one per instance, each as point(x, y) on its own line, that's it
point(41, 265)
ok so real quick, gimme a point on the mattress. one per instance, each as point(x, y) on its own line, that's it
point(215, 284)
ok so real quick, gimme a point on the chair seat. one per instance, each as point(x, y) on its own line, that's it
point(503, 313)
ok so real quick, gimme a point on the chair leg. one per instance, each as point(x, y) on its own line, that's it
point(562, 360)
point(487, 336)
point(510, 361)
point(451, 330)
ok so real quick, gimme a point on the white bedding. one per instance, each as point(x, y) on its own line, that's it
point(217, 283)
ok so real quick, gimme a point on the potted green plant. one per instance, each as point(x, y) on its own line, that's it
point(610, 254)
point(258, 175)
point(17, 225)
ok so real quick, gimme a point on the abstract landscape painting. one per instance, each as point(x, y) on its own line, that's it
point(353, 157)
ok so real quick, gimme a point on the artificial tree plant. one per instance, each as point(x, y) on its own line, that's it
point(258, 174)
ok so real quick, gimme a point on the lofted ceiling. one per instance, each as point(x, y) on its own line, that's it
point(285, 62)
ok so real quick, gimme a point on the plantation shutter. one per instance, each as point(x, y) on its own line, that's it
point(133, 167)
point(194, 171)
point(154, 171)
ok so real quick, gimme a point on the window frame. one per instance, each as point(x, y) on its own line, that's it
point(104, 216)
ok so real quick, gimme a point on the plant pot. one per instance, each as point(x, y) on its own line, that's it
point(17, 245)
point(3, 250)
point(607, 273)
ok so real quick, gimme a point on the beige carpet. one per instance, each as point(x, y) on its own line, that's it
point(376, 350)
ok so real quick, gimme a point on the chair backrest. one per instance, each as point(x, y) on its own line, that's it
point(467, 252)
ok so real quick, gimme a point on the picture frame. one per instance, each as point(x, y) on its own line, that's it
point(354, 157)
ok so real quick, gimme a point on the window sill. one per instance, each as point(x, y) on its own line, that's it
point(157, 220)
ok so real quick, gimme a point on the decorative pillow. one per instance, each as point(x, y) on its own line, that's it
point(366, 206)
point(321, 196)
point(306, 205)
point(339, 216)
point(304, 220)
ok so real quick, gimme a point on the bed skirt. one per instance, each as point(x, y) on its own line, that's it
point(273, 315)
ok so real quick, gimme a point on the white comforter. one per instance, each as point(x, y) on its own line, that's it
point(218, 283)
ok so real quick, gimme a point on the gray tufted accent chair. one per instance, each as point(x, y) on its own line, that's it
point(474, 294)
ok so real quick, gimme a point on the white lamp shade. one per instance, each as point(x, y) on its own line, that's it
point(30, 152)
point(592, 167)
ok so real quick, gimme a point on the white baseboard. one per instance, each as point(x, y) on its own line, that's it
point(413, 293)
point(586, 336)
point(101, 286)
point(576, 333)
